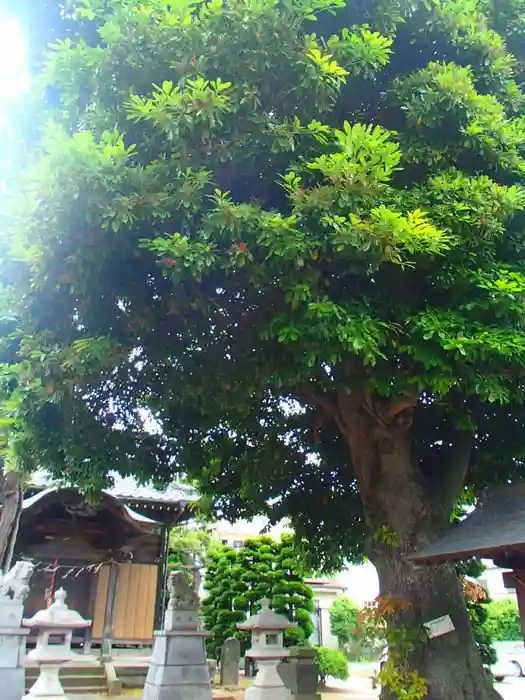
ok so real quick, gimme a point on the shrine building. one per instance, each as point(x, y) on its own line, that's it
point(110, 555)
point(494, 530)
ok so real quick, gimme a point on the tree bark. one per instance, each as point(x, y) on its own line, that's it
point(396, 496)
point(11, 495)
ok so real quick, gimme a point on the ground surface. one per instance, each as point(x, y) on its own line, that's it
point(361, 689)
point(358, 687)
point(512, 689)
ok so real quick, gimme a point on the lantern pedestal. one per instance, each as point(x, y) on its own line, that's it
point(47, 684)
point(299, 673)
point(267, 684)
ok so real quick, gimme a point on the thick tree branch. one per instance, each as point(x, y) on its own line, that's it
point(357, 425)
point(391, 414)
point(454, 466)
point(327, 403)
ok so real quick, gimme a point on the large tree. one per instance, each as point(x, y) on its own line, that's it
point(283, 256)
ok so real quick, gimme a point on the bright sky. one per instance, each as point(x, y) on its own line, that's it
point(14, 81)
point(14, 78)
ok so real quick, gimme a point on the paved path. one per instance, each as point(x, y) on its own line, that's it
point(512, 689)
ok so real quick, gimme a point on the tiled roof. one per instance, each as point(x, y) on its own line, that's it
point(128, 489)
point(496, 524)
point(32, 500)
point(325, 583)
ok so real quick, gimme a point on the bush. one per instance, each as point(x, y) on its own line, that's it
point(351, 635)
point(331, 662)
point(503, 620)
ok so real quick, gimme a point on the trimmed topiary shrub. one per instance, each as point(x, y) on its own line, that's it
point(237, 580)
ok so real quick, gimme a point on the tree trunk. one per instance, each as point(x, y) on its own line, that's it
point(404, 512)
point(11, 496)
point(451, 664)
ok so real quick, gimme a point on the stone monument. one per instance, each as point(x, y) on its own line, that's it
point(178, 669)
point(14, 587)
point(230, 656)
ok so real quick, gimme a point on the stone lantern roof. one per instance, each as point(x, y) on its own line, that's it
point(57, 615)
point(266, 619)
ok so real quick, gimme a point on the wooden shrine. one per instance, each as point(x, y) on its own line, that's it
point(110, 556)
point(494, 530)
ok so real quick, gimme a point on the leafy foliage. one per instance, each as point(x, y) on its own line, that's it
point(331, 662)
point(396, 676)
point(346, 624)
point(503, 620)
point(343, 619)
point(484, 636)
point(478, 606)
point(195, 540)
point(236, 581)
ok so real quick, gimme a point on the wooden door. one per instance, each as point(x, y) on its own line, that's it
point(134, 603)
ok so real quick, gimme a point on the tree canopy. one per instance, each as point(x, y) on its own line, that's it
point(300, 213)
point(195, 540)
point(278, 247)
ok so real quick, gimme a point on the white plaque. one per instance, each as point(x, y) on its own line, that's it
point(439, 626)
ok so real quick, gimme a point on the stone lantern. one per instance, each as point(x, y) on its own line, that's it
point(53, 647)
point(267, 636)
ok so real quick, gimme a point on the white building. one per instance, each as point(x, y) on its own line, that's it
point(492, 581)
point(325, 592)
point(234, 534)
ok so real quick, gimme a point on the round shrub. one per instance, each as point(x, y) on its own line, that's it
point(331, 662)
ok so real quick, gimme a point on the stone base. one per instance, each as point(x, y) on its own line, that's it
point(303, 696)
point(166, 692)
point(13, 683)
point(113, 681)
point(179, 669)
point(181, 619)
point(12, 650)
